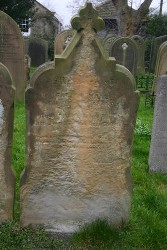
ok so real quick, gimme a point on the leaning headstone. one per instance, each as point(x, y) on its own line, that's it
point(62, 40)
point(7, 177)
point(141, 53)
point(80, 123)
point(154, 51)
point(125, 52)
point(12, 52)
point(38, 51)
point(158, 152)
point(161, 63)
point(108, 42)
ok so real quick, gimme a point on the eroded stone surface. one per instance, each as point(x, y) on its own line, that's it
point(7, 179)
point(80, 118)
point(158, 153)
point(12, 52)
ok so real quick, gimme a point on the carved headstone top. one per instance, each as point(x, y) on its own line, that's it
point(78, 140)
point(87, 16)
point(107, 42)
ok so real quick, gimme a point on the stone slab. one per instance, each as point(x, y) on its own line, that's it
point(158, 147)
point(7, 176)
point(80, 122)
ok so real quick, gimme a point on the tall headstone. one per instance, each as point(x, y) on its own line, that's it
point(158, 148)
point(125, 52)
point(7, 177)
point(154, 51)
point(12, 52)
point(62, 40)
point(80, 123)
point(38, 51)
point(141, 53)
point(161, 63)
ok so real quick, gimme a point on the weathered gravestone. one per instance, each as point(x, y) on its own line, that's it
point(158, 152)
point(154, 51)
point(37, 50)
point(108, 42)
point(141, 53)
point(62, 40)
point(125, 52)
point(7, 178)
point(27, 65)
point(161, 63)
point(12, 52)
point(80, 122)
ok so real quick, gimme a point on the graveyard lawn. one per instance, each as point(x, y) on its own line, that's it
point(146, 228)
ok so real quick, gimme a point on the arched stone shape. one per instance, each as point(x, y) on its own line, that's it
point(125, 55)
point(62, 40)
point(80, 122)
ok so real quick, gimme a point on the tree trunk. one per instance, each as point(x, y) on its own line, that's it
point(160, 10)
point(130, 19)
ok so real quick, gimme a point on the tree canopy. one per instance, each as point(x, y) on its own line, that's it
point(157, 25)
point(17, 9)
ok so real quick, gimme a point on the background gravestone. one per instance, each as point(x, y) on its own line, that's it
point(108, 42)
point(161, 63)
point(141, 53)
point(158, 152)
point(125, 52)
point(27, 65)
point(7, 178)
point(38, 51)
point(12, 52)
point(79, 136)
point(154, 51)
point(62, 40)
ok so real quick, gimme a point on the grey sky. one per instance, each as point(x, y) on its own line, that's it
point(60, 6)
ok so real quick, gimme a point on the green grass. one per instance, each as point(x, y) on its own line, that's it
point(147, 226)
point(32, 70)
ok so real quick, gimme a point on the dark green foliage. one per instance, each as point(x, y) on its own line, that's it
point(157, 26)
point(17, 9)
point(148, 43)
point(145, 82)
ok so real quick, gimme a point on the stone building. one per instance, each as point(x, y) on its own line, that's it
point(108, 12)
point(43, 23)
